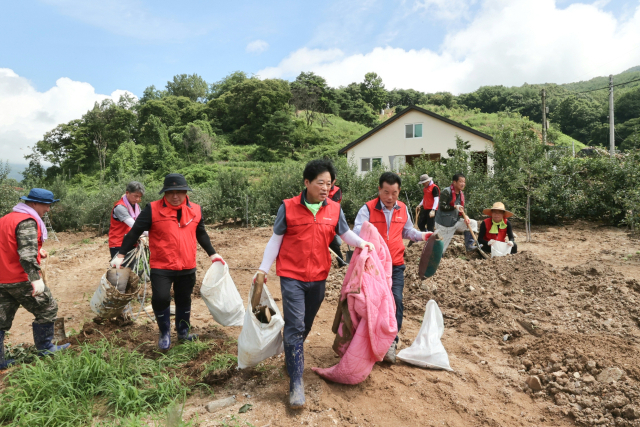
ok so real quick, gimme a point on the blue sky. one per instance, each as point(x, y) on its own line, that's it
point(57, 57)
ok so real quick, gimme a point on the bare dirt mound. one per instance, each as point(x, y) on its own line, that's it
point(572, 333)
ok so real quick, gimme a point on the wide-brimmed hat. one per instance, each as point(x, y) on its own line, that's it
point(175, 182)
point(40, 195)
point(424, 178)
point(498, 206)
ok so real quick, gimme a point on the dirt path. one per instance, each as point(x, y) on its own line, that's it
point(573, 286)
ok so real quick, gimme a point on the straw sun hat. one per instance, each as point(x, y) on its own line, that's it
point(498, 206)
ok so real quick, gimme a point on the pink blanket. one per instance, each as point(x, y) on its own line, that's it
point(366, 313)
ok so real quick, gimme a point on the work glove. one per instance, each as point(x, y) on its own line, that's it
point(432, 213)
point(255, 276)
point(491, 242)
point(425, 236)
point(38, 287)
point(43, 253)
point(369, 245)
point(116, 262)
point(217, 257)
point(510, 244)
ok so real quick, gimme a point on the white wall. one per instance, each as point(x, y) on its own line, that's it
point(437, 137)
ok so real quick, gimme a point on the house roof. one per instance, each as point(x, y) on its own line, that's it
point(402, 113)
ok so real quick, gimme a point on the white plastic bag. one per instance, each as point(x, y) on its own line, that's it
point(257, 340)
point(500, 249)
point(221, 296)
point(427, 350)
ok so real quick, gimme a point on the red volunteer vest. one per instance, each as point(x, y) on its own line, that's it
point(333, 192)
point(488, 236)
point(12, 271)
point(117, 229)
point(172, 247)
point(393, 236)
point(303, 254)
point(427, 200)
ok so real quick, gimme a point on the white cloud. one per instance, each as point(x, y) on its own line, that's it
point(257, 46)
point(26, 114)
point(507, 42)
point(128, 18)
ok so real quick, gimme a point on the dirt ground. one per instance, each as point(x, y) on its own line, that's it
point(564, 311)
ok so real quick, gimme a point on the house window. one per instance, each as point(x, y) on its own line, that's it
point(366, 164)
point(413, 130)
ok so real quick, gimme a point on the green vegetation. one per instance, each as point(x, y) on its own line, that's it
point(242, 143)
point(101, 380)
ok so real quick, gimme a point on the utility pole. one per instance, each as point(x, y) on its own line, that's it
point(543, 93)
point(612, 141)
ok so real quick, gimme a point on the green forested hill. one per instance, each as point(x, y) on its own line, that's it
point(198, 127)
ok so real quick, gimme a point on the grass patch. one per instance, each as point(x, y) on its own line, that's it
point(100, 380)
point(220, 365)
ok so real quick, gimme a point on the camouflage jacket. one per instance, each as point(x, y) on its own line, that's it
point(27, 237)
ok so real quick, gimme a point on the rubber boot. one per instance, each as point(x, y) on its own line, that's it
point(42, 337)
point(294, 355)
point(469, 242)
point(4, 363)
point(183, 314)
point(391, 354)
point(164, 325)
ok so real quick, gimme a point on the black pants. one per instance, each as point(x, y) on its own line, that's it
point(397, 288)
point(487, 248)
point(335, 247)
point(425, 220)
point(182, 290)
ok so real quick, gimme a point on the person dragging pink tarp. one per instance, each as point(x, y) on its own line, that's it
point(365, 323)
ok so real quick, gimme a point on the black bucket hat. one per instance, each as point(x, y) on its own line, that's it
point(175, 182)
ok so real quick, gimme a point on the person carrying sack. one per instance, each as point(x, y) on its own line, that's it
point(175, 224)
point(429, 204)
point(335, 194)
point(392, 220)
point(123, 215)
point(22, 233)
point(304, 227)
point(449, 216)
point(496, 228)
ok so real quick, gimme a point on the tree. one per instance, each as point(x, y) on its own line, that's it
point(151, 94)
point(277, 133)
point(577, 117)
point(191, 86)
point(627, 107)
point(310, 93)
point(373, 91)
point(521, 164)
point(223, 86)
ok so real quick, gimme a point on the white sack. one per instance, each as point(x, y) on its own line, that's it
point(427, 350)
point(500, 249)
point(259, 341)
point(221, 296)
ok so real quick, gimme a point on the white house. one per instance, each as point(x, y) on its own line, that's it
point(412, 133)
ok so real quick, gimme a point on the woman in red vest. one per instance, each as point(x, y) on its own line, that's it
point(22, 233)
point(175, 225)
point(429, 203)
point(391, 217)
point(123, 215)
point(496, 228)
point(305, 226)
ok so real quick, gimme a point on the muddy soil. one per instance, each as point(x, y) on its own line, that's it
point(547, 337)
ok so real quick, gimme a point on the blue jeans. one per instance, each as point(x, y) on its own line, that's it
point(300, 304)
point(397, 286)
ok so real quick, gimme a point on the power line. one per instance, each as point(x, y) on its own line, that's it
point(606, 87)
